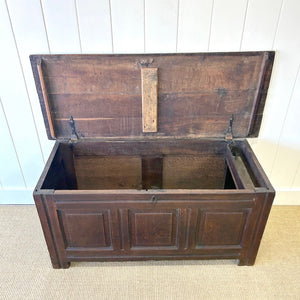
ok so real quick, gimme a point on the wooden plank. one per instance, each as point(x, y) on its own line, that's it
point(261, 94)
point(160, 25)
point(30, 36)
point(227, 25)
point(108, 172)
point(193, 172)
point(16, 104)
point(46, 100)
point(239, 171)
point(47, 229)
point(105, 74)
point(61, 26)
point(207, 197)
point(127, 18)
point(91, 106)
point(234, 171)
point(149, 99)
point(57, 235)
point(151, 147)
point(208, 126)
point(94, 26)
point(194, 25)
point(257, 171)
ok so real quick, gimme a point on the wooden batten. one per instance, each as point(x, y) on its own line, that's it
point(149, 99)
point(46, 99)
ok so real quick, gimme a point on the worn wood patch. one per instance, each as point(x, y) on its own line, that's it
point(108, 172)
point(149, 98)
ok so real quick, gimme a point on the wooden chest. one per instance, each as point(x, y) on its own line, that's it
point(151, 159)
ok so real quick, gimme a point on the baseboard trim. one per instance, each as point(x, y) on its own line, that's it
point(287, 197)
point(20, 196)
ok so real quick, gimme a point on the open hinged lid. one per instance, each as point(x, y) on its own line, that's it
point(160, 95)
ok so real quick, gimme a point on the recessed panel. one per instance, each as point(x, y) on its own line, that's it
point(153, 229)
point(108, 172)
point(220, 228)
point(193, 172)
point(86, 229)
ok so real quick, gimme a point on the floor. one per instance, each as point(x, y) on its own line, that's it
point(26, 271)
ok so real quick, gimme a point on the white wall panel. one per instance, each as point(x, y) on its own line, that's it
point(161, 25)
point(283, 85)
point(94, 26)
point(135, 26)
point(16, 196)
point(227, 25)
point(287, 46)
point(10, 170)
point(288, 152)
point(31, 38)
point(194, 25)
point(296, 179)
point(61, 26)
point(128, 26)
point(259, 31)
point(17, 105)
point(261, 24)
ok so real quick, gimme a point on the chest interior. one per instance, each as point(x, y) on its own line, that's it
point(149, 165)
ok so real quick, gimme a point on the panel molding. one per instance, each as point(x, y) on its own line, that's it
point(207, 229)
point(154, 229)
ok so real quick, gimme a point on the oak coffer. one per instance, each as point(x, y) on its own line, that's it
point(151, 159)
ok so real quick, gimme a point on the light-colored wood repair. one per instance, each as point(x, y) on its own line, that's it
point(149, 99)
point(46, 99)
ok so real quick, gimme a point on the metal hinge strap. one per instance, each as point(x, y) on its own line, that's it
point(229, 135)
point(74, 135)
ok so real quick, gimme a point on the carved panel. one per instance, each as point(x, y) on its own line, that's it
point(86, 229)
point(153, 228)
point(220, 228)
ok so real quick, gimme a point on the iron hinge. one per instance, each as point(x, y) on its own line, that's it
point(228, 134)
point(74, 134)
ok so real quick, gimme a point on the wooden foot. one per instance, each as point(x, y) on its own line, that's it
point(244, 262)
point(64, 265)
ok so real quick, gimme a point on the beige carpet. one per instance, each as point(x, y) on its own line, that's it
point(26, 272)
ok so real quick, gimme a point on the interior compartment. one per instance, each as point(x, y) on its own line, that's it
point(147, 165)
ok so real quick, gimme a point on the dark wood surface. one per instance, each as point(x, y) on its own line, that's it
point(197, 93)
point(183, 192)
point(178, 222)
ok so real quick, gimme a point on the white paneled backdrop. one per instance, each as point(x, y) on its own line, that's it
point(138, 26)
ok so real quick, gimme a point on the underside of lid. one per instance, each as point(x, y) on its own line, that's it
point(152, 95)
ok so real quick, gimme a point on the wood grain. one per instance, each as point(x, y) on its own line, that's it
point(149, 99)
point(197, 93)
point(123, 194)
point(46, 99)
point(105, 172)
point(193, 172)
